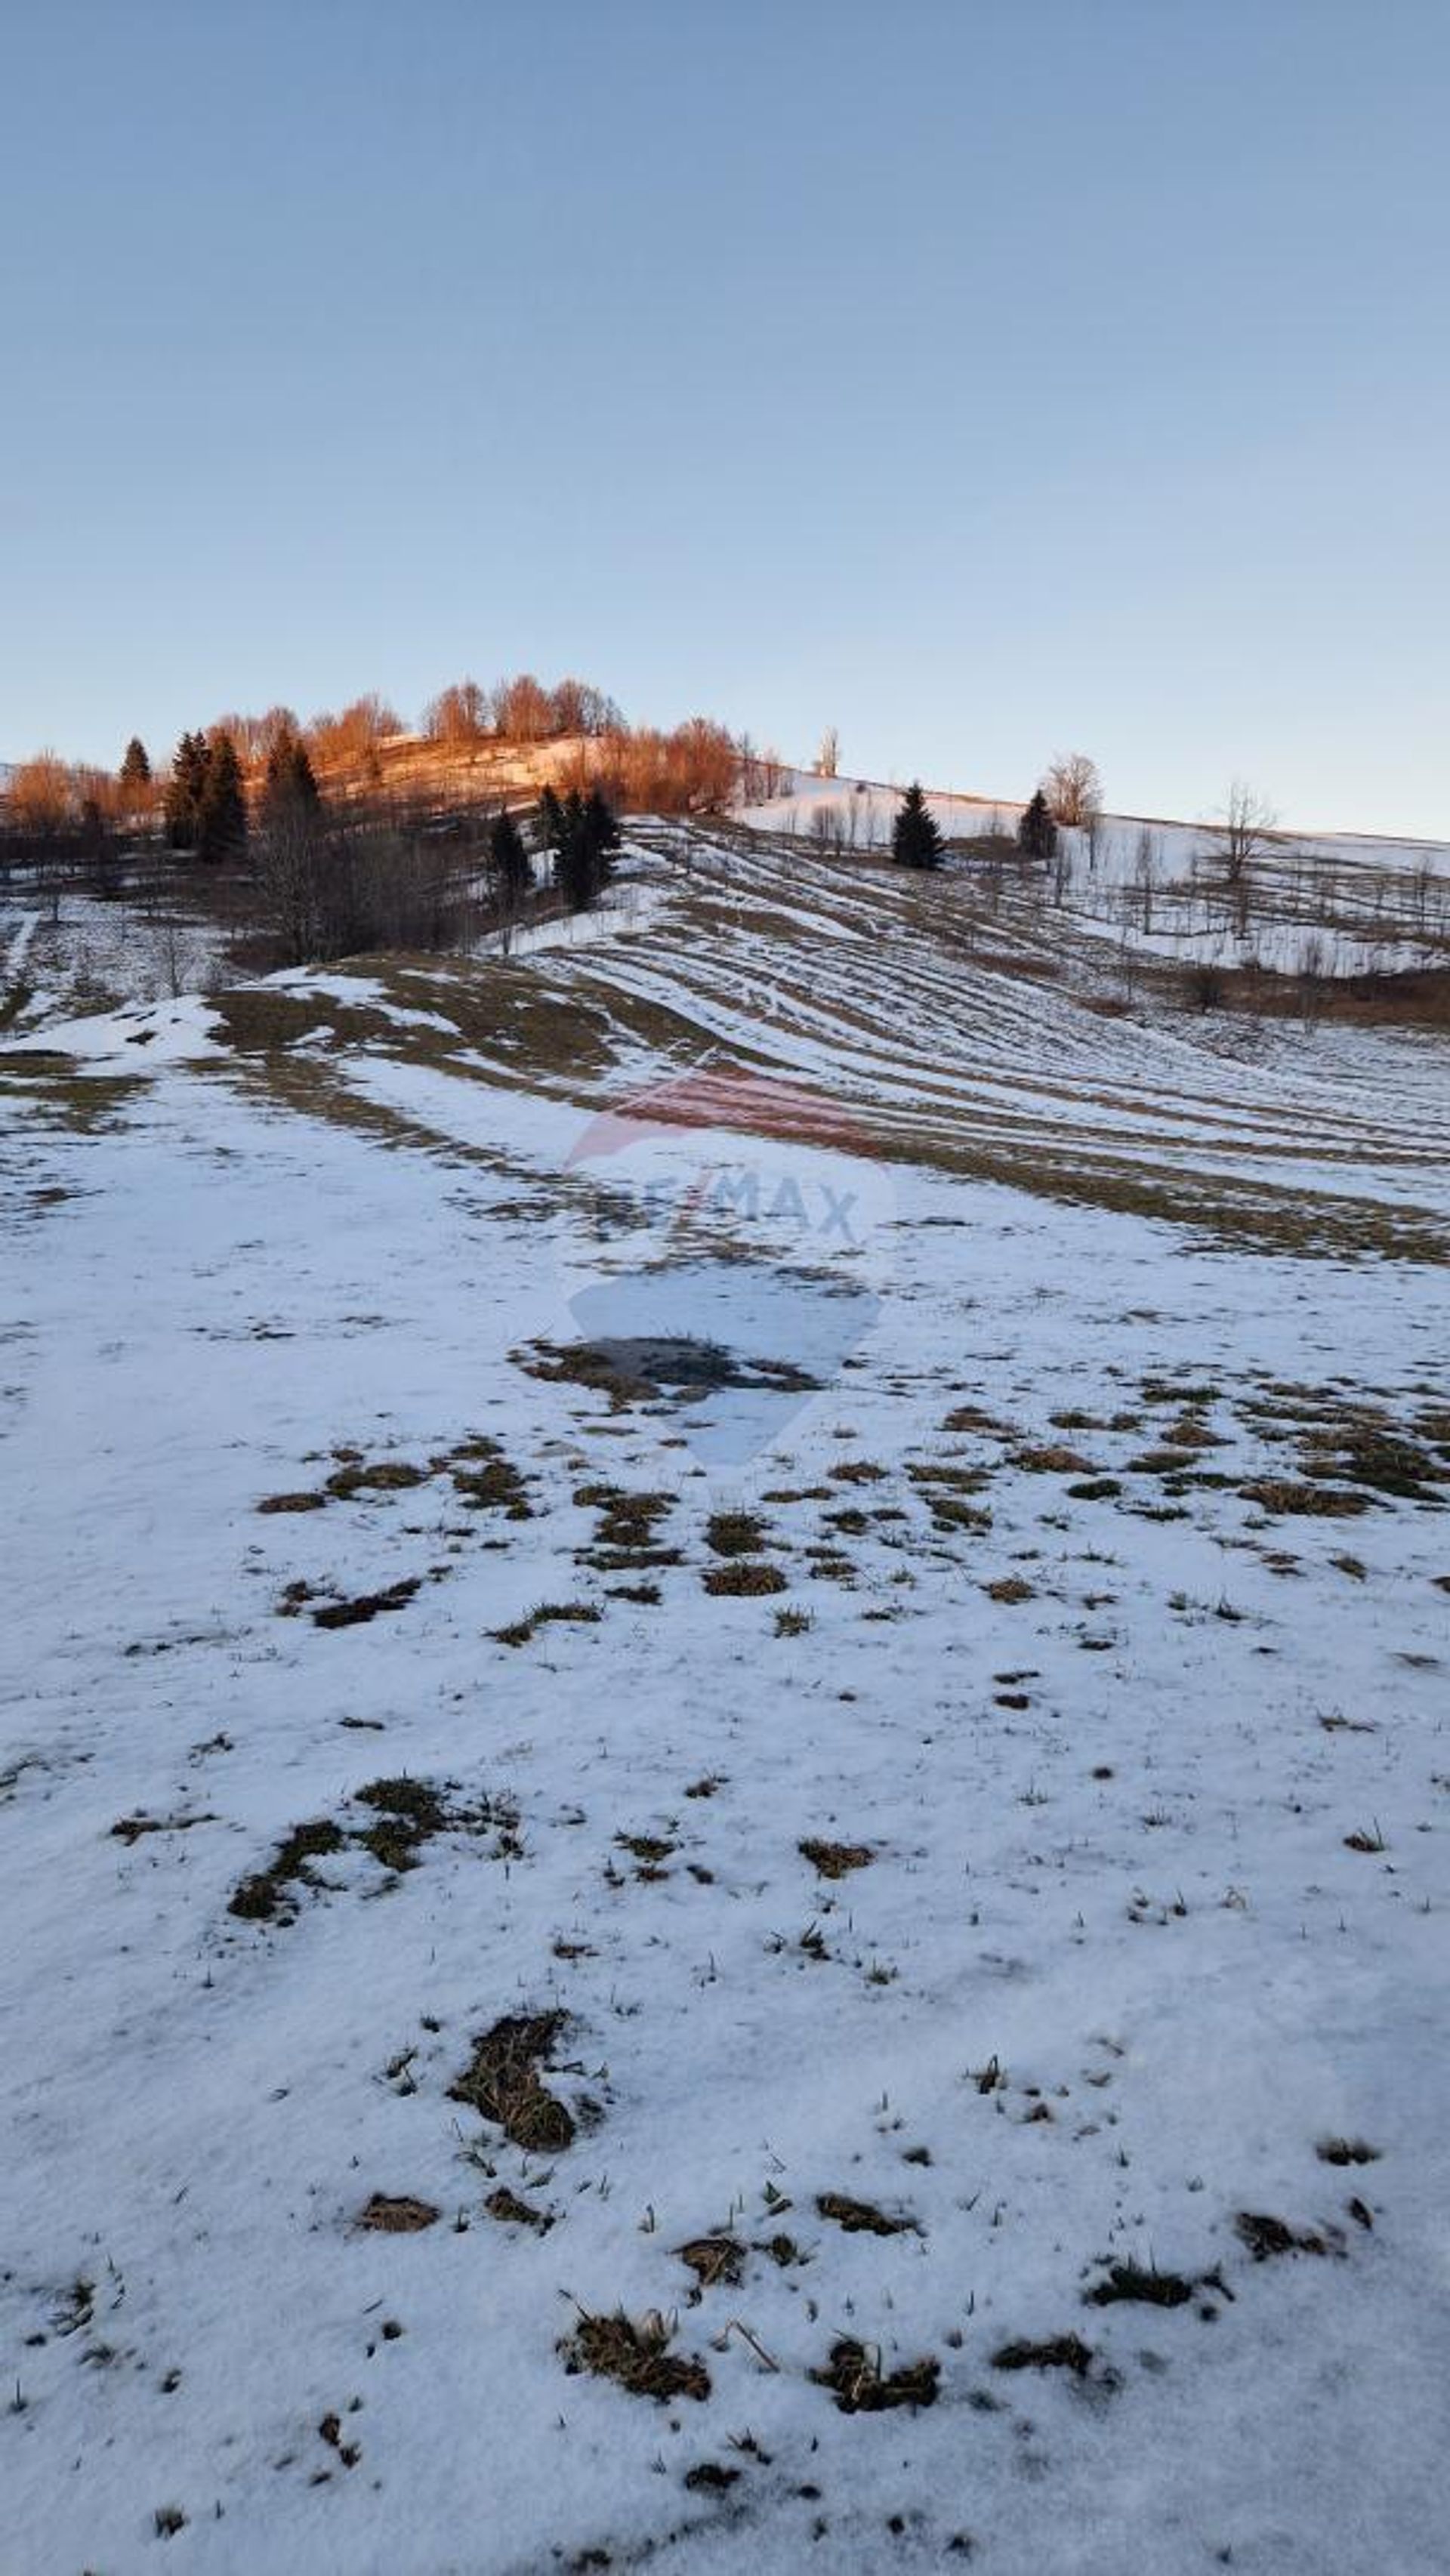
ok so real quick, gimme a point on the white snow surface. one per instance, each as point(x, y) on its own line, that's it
point(1108, 1978)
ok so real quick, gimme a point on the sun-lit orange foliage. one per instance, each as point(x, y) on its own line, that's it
point(42, 795)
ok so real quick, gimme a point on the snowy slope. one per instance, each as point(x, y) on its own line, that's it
point(1135, 1764)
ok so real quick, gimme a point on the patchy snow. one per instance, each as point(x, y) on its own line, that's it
point(1144, 1768)
point(173, 1032)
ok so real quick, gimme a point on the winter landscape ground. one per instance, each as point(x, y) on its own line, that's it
point(725, 1761)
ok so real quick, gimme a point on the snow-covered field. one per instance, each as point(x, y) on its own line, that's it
point(743, 1625)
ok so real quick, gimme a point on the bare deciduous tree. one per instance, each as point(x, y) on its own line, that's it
point(829, 753)
point(1073, 789)
point(1248, 831)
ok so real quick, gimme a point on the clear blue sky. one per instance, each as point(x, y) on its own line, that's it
point(988, 377)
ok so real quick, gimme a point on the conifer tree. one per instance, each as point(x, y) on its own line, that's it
point(915, 840)
point(550, 819)
point(601, 831)
point(290, 777)
point(573, 866)
point(508, 860)
point(185, 789)
point(135, 772)
point(1037, 832)
point(222, 814)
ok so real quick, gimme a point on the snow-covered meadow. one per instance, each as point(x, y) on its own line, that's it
point(744, 1627)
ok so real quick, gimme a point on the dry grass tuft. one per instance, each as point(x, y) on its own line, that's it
point(743, 1576)
point(1056, 2352)
point(637, 2356)
point(502, 2082)
point(834, 1860)
point(855, 2377)
point(862, 2217)
point(713, 2259)
point(387, 2215)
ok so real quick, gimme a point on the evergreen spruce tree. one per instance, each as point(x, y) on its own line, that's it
point(915, 840)
point(185, 789)
point(1037, 832)
point(135, 770)
point(508, 860)
point(573, 858)
point(290, 777)
point(549, 817)
point(601, 832)
point(222, 815)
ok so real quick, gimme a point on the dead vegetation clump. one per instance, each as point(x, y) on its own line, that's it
point(380, 1476)
point(486, 1480)
point(293, 1503)
point(743, 1576)
point(520, 1631)
point(1055, 2352)
point(502, 2082)
point(1284, 1496)
point(860, 2387)
point(624, 1539)
point(1265, 2236)
point(713, 2259)
point(506, 2206)
point(367, 1605)
point(266, 1896)
point(862, 2217)
point(835, 1860)
point(1010, 1588)
point(636, 2356)
point(389, 2214)
point(1130, 2282)
point(1055, 1459)
point(406, 1815)
point(1346, 2151)
point(734, 1533)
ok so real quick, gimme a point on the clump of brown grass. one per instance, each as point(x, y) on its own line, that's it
point(743, 1576)
point(834, 1860)
point(860, 2387)
point(862, 2217)
point(501, 2081)
point(381, 1476)
point(713, 2259)
point(636, 2356)
point(389, 2214)
point(734, 1533)
point(1055, 2352)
